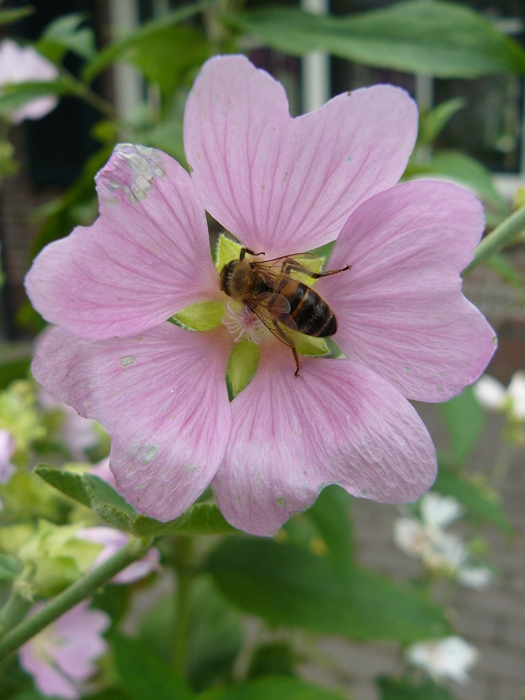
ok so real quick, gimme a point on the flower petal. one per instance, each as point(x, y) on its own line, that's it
point(161, 396)
point(338, 422)
point(286, 185)
point(400, 309)
point(144, 259)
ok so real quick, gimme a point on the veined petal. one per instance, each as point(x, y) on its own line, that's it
point(400, 309)
point(144, 259)
point(162, 398)
point(337, 422)
point(286, 185)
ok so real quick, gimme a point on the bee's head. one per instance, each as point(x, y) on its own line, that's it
point(226, 274)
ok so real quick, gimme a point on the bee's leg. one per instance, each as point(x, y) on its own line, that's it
point(297, 361)
point(247, 250)
point(316, 275)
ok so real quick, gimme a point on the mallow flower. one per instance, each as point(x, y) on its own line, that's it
point(61, 657)
point(280, 186)
point(21, 64)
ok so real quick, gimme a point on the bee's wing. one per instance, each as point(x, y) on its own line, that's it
point(278, 320)
point(303, 267)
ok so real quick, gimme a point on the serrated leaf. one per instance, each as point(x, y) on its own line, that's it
point(467, 492)
point(272, 688)
point(464, 420)
point(70, 484)
point(199, 519)
point(114, 51)
point(288, 585)
point(144, 675)
point(431, 38)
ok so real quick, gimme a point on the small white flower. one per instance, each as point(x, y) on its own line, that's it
point(493, 396)
point(438, 550)
point(451, 658)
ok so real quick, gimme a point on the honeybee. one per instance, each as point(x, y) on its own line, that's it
point(275, 292)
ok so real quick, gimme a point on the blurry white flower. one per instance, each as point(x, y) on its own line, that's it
point(426, 539)
point(61, 656)
point(7, 449)
point(493, 396)
point(113, 540)
point(20, 64)
point(451, 658)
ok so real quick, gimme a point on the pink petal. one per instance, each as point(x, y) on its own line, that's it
point(145, 258)
point(81, 642)
point(400, 309)
point(19, 64)
point(284, 185)
point(161, 397)
point(338, 422)
point(47, 680)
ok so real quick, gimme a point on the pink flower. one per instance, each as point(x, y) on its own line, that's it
point(113, 540)
point(61, 656)
point(7, 449)
point(282, 186)
point(21, 64)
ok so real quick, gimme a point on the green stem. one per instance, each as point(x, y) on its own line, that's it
point(13, 611)
point(498, 239)
point(82, 91)
point(184, 579)
point(79, 591)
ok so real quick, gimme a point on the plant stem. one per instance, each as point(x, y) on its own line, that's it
point(82, 91)
point(184, 578)
point(498, 239)
point(80, 590)
point(13, 611)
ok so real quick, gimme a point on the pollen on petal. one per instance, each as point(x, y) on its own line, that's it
point(240, 321)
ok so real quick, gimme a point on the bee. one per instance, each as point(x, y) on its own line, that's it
point(275, 292)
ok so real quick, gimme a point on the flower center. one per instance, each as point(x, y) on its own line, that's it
point(240, 321)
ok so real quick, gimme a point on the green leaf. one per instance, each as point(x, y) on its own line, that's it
point(330, 514)
point(16, 368)
point(433, 122)
point(15, 96)
point(430, 38)
point(464, 170)
point(272, 688)
point(200, 519)
point(392, 689)
point(167, 137)
point(65, 34)
point(464, 420)
point(471, 494)
point(70, 484)
point(143, 675)
point(166, 56)
point(215, 636)
point(10, 16)
point(288, 585)
point(116, 50)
